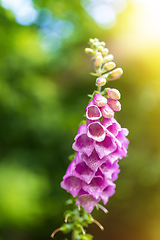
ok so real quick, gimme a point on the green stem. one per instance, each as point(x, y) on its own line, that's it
point(99, 88)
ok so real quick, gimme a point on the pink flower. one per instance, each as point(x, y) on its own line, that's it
point(99, 145)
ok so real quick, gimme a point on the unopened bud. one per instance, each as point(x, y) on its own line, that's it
point(114, 104)
point(115, 74)
point(100, 48)
point(107, 112)
point(113, 93)
point(102, 44)
point(99, 100)
point(89, 51)
point(91, 40)
point(108, 58)
point(98, 54)
point(66, 228)
point(109, 66)
point(101, 81)
point(98, 61)
point(96, 40)
point(105, 52)
point(95, 45)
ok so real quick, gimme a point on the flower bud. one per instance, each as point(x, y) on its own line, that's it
point(95, 45)
point(105, 52)
point(114, 104)
point(108, 58)
point(99, 100)
point(109, 66)
point(101, 81)
point(115, 74)
point(89, 51)
point(100, 48)
point(98, 61)
point(91, 41)
point(66, 228)
point(102, 44)
point(107, 112)
point(113, 93)
point(96, 40)
point(96, 131)
point(98, 54)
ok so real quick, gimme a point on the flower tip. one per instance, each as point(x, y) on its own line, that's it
point(100, 81)
point(89, 51)
point(114, 93)
point(115, 74)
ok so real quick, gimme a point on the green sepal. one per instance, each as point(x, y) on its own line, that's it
point(71, 157)
point(95, 74)
point(86, 237)
point(82, 122)
point(66, 228)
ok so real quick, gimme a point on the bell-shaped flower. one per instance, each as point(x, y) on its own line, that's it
point(96, 131)
point(99, 100)
point(93, 112)
point(87, 201)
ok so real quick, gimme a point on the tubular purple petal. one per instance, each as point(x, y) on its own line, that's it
point(93, 112)
point(96, 131)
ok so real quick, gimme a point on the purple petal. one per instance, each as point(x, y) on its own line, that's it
point(108, 192)
point(95, 187)
point(96, 131)
point(83, 172)
point(83, 144)
point(114, 128)
point(107, 122)
point(115, 175)
point(105, 147)
point(86, 201)
point(93, 161)
point(72, 184)
point(93, 112)
point(82, 129)
point(122, 135)
point(110, 170)
point(99, 100)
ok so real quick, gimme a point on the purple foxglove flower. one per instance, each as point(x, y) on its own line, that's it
point(96, 131)
point(93, 161)
point(81, 170)
point(108, 192)
point(93, 112)
point(99, 146)
point(114, 128)
point(72, 184)
point(87, 201)
point(106, 147)
point(99, 100)
point(82, 142)
point(95, 187)
point(110, 170)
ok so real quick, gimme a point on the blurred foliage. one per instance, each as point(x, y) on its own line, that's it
point(43, 96)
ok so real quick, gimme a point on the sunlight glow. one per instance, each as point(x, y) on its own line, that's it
point(23, 10)
point(147, 21)
point(104, 11)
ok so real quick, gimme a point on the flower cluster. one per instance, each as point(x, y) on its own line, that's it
point(99, 144)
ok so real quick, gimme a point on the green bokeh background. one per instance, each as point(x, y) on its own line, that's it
point(43, 96)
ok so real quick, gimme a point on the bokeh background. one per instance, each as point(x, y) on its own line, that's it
point(44, 82)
